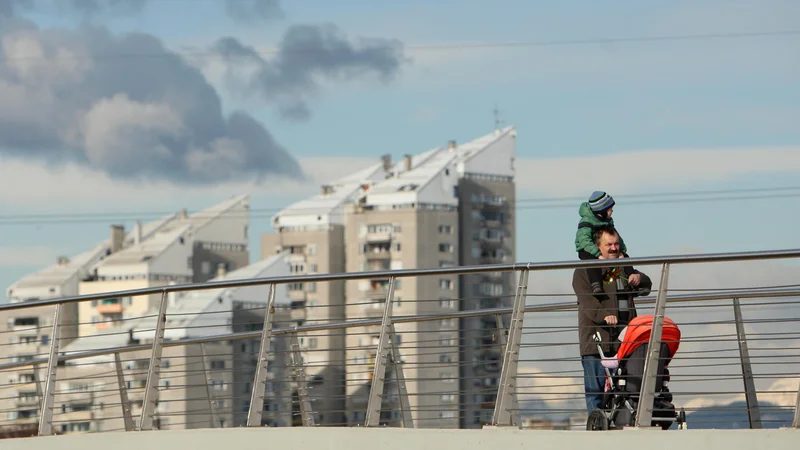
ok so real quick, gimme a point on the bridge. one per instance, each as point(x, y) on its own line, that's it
point(229, 361)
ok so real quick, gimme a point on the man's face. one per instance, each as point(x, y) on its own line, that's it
point(609, 245)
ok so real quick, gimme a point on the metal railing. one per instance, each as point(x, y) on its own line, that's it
point(434, 367)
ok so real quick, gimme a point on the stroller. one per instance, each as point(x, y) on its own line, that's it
point(622, 386)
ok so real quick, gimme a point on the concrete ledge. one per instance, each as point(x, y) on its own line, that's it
point(417, 439)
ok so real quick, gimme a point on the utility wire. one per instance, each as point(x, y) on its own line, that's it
point(434, 46)
point(524, 204)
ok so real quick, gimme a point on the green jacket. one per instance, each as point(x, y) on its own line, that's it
point(586, 226)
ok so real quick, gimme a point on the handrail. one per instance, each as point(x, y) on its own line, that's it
point(460, 270)
point(681, 298)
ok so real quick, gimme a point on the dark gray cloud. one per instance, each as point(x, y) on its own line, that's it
point(248, 11)
point(243, 11)
point(86, 8)
point(306, 55)
point(84, 96)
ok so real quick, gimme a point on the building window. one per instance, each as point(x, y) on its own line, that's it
point(205, 267)
point(312, 268)
point(446, 285)
point(217, 364)
point(445, 359)
point(446, 323)
point(311, 250)
point(311, 286)
point(446, 248)
point(312, 342)
point(476, 252)
point(397, 246)
point(446, 303)
point(446, 264)
point(445, 229)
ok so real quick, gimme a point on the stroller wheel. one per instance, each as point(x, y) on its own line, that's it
point(682, 420)
point(597, 421)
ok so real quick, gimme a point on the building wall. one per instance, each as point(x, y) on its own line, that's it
point(318, 250)
point(207, 257)
point(401, 239)
point(97, 315)
point(488, 236)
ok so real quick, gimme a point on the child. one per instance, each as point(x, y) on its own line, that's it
point(594, 213)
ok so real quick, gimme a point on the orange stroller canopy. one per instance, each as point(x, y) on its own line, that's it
point(638, 333)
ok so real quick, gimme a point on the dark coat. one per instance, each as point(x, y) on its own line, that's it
point(591, 311)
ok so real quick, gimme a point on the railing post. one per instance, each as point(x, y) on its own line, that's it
point(382, 355)
point(256, 410)
point(213, 418)
point(751, 398)
point(46, 419)
point(507, 386)
point(402, 391)
point(154, 369)
point(123, 395)
point(647, 393)
point(306, 413)
point(501, 332)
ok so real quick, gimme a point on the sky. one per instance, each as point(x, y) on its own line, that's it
point(147, 107)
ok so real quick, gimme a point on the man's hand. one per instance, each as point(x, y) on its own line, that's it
point(611, 320)
point(634, 279)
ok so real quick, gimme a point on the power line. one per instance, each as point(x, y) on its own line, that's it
point(436, 46)
point(523, 205)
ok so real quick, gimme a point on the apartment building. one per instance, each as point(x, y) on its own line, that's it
point(175, 248)
point(313, 232)
point(443, 207)
point(200, 386)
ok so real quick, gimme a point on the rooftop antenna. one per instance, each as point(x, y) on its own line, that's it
point(497, 121)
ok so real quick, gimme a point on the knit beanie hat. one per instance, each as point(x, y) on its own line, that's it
point(600, 201)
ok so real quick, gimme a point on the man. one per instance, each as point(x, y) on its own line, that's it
point(607, 313)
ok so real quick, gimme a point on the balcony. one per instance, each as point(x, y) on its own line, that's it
point(28, 399)
point(298, 304)
point(297, 295)
point(379, 236)
point(372, 306)
point(297, 258)
point(380, 251)
point(23, 324)
point(109, 308)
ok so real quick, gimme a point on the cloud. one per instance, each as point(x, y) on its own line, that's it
point(242, 11)
point(306, 55)
point(646, 169)
point(85, 8)
point(71, 186)
point(249, 11)
point(85, 97)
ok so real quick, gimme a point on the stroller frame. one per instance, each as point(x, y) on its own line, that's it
point(618, 404)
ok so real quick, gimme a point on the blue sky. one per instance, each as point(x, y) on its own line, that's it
point(594, 113)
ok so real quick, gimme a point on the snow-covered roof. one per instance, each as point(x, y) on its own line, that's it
point(433, 181)
point(493, 154)
point(429, 178)
point(430, 181)
point(327, 207)
point(137, 258)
